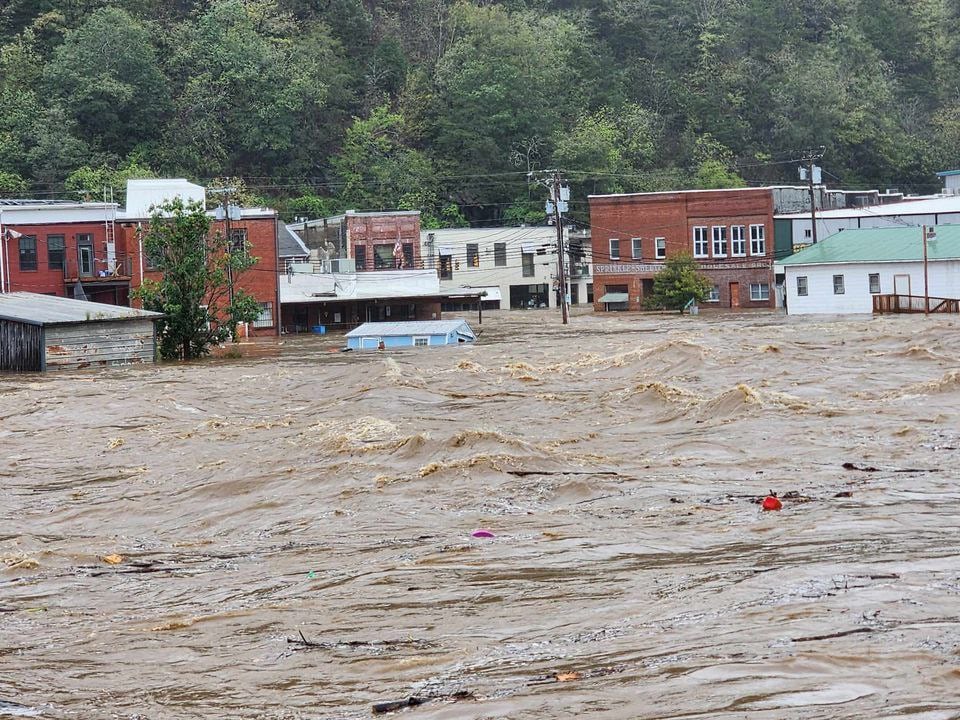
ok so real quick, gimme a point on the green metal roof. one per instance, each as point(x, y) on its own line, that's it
point(879, 245)
point(614, 297)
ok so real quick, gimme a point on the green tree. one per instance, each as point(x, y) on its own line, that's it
point(12, 185)
point(91, 183)
point(677, 283)
point(193, 291)
point(106, 78)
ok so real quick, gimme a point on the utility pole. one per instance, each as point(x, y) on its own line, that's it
point(552, 181)
point(225, 204)
point(927, 234)
point(561, 265)
point(810, 156)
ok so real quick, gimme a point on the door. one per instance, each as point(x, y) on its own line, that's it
point(734, 294)
point(85, 259)
point(901, 284)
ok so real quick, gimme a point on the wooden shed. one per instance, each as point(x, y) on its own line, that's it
point(44, 332)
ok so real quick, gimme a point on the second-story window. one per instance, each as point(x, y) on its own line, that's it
point(500, 254)
point(55, 252)
point(473, 255)
point(719, 241)
point(738, 240)
point(360, 255)
point(701, 244)
point(28, 252)
point(635, 247)
point(408, 255)
point(661, 248)
point(238, 241)
point(614, 249)
point(758, 242)
point(526, 263)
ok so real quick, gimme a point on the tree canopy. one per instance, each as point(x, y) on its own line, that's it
point(445, 105)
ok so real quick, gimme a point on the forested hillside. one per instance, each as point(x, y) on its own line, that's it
point(443, 106)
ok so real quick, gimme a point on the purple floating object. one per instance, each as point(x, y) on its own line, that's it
point(483, 534)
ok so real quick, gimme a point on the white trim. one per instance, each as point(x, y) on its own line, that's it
point(762, 239)
point(610, 255)
point(734, 240)
point(705, 241)
point(414, 339)
point(714, 243)
point(656, 245)
point(636, 248)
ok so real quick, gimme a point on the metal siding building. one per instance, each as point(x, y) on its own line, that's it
point(42, 332)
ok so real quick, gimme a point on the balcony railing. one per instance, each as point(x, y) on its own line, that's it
point(88, 268)
point(883, 304)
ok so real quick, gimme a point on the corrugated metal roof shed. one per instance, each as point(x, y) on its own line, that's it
point(880, 245)
point(412, 327)
point(48, 310)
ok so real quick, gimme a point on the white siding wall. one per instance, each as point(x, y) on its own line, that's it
point(488, 274)
point(820, 298)
point(830, 226)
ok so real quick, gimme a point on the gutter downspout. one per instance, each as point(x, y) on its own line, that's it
point(140, 253)
point(2, 263)
point(278, 318)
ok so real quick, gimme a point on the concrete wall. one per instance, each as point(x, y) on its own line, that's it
point(98, 344)
point(856, 298)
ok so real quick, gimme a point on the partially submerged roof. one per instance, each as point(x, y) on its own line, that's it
point(614, 297)
point(890, 244)
point(945, 173)
point(413, 327)
point(290, 244)
point(44, 310)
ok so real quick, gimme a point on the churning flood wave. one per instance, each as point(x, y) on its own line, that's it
point(291, 535)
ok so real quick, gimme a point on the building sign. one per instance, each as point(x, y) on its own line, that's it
point(637, 268)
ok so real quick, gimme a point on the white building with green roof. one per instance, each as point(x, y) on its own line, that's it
point(843, 273)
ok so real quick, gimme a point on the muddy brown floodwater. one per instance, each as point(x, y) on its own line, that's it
point(615, 461)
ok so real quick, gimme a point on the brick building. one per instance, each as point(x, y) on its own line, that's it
point(64, 249)
point(371, 239)
point(94, 251)
point(728, 232)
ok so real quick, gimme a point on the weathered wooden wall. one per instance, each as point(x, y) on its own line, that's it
point(98, 344)
point(21, 347)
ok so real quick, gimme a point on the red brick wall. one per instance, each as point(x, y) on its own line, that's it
point(260, 280)
point(673, 216)
point(44, 279)
point(371, 230)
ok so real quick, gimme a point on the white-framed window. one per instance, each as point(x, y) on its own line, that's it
point(838, 285)
point(874, 283)
point(801, 285)
point(266, 316)
point(719, 240)
point(759, 291)
point(614, 249)
point(738, 241)
point(661, 248)
point(714, 295)
point(758, 240)
point(701, 244)
point(421, 341)
point(635, 248)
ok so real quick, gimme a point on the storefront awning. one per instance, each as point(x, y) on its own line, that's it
point(615, 298)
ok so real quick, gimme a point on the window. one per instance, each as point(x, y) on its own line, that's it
point(266, 316)
point(758, 241)
point(714, 295)
point(527, 264)
point(802, 285)
point(473, 255)
point(807, 234)
point(719, 241)
point(500, 254)
point(421, 341)
point(446, 267)
point(360, 255)
point(874, 283)
point(238, 240)
point(383, 258)
point(838, 284)
point(661, 248)
point(635, 248)
point(701, 246)
point(759, 291)
point(589, 292)
point(738, 242)
point(408, 255)
point(614, 249)
point(55, 252)
point(28, 252)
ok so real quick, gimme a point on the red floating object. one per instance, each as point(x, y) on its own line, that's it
point(483, 534)
point(771, 503)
